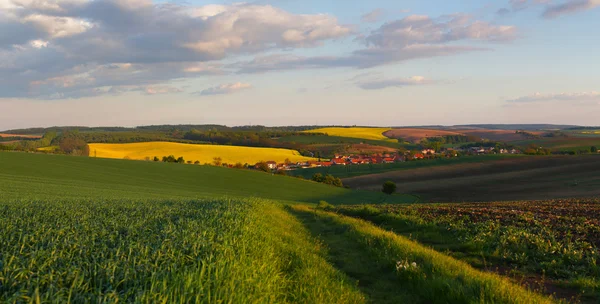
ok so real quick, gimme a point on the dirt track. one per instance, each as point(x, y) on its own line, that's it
point(512, 179)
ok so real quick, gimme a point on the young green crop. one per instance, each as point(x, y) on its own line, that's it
point(173, 251)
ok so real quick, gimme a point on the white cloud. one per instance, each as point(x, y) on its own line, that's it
point(226, 89)
point(569, 7)
point(417, 29)
point(541, 97)
point(57, 27)
point(43, 41)
point(410, 38)
point(382, 83)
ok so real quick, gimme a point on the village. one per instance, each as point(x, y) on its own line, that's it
point(387, 158)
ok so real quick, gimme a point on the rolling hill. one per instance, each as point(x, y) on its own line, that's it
point(195, 152)
point(39, 176)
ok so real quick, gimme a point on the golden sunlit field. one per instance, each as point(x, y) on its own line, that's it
point(364, 133)
point(190, 152)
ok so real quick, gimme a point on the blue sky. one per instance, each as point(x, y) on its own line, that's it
point(283, 62)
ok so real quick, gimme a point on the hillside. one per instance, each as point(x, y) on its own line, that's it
point(195, 152)
point(78, 229)
point(415, 134)
point(39, 176)
point(355, 132)
point(519, 178)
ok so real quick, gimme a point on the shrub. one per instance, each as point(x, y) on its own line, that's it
point(262, 166)
point(389, 187)
point(318, 177)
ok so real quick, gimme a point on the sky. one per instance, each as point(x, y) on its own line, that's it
point(289, 62)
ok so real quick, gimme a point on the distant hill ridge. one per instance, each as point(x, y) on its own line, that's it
point(258, 128)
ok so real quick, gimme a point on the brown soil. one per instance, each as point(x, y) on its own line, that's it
point(415, 135)
point(17, 135)
point(528, 178)
point(498, 135)
point(369, 149)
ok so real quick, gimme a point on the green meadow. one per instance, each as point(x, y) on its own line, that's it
point(81, 230)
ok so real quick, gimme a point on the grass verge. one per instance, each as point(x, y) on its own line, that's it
point(392, 269)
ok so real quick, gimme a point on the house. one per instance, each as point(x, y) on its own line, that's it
point(428, 151)
point(271, 164)
point(338, 161)
point(388, 160)
point(418, 156)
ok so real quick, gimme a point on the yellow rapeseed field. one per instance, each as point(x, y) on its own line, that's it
point(192, 152)
point(364, 133)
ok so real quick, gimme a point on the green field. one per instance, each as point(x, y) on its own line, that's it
point(552, 245)
point(575, 144)
point(325, 139)
point(77, 229)
point(359, 170)
point(39, 176)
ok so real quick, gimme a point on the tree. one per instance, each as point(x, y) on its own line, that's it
point(318, 177)
point(156, 158)
point(217, 161)
point(262, 166)
point(181, 160)
point(389, 187)
point(73, 145)
point(594, 149)
point(197, 162)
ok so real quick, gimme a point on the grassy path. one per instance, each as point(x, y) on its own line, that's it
point(392, 269)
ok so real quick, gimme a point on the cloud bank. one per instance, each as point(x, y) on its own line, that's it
point(77, 48)
point(413, 37)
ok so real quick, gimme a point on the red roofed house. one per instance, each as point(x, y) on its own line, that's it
point(338, 161)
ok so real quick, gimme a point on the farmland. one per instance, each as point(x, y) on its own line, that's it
point(193, 152)
point(517, 178)
point(355, 132)
point(416, 134)
point(551, 245)
point(147, 251)
point(38, 176)
point(368, 169)
point(20, 136)
point(79, 229)
point(574, 144)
